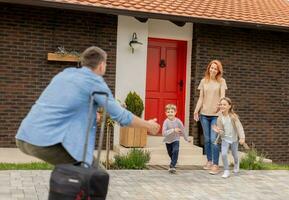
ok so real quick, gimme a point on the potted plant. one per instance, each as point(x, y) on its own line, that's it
point(64, 55)
point(133, 137)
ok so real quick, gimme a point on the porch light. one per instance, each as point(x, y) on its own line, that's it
point(134, 43)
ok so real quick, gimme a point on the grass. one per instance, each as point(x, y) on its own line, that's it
point(26, 166)
point(273, 166)
point(255, 161)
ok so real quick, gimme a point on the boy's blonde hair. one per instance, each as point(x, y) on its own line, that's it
point(171, 106)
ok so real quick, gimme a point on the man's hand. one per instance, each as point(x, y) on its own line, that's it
point(98, 117)
point(154, 127)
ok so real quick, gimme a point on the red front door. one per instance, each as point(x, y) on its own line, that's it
point(165, 78)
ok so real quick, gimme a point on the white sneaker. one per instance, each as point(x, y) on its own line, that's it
point(226, 174)
point(172, 170)
point(236, 169)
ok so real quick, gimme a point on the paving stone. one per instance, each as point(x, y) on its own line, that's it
point(159, 185)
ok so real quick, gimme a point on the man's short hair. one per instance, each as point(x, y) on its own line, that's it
point(171, 106)
point(92, 57)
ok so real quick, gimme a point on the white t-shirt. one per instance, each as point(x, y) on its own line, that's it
point(230, 134)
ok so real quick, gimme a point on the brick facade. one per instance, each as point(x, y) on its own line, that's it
point(27, 35)
point(255, 65)
point(256, 68)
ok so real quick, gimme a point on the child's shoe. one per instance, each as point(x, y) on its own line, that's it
point(236, 169)
point(208, 166)
point(226, 174)
point(214, 170)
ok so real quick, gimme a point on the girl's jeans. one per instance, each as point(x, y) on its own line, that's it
point(225, 149)
point(211, 149)
point(173, 151)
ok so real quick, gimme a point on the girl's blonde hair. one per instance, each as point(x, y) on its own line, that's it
point(220, 70)
point(232, 113)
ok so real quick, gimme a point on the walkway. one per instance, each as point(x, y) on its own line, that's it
point(159, 185)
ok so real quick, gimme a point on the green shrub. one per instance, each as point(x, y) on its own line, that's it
point(135, 159)
point(251, 160)
point(134, 103)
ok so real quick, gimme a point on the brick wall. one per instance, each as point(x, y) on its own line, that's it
point(256, 66)
point(27, 35)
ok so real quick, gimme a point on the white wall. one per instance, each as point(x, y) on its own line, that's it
point(131, 67)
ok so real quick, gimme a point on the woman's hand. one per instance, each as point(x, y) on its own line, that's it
point(216, 129)
point(242, 141)
point(196, 116)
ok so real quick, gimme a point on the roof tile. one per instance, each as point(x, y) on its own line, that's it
point(270, 12)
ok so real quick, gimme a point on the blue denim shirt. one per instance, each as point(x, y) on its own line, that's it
point(60, 115)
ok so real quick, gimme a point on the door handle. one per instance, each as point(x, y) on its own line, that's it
point(162, 63)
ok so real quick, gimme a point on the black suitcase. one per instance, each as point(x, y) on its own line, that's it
point(80, 181)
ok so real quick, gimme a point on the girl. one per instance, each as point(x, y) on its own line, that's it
point(212, 88)
point(230, 128)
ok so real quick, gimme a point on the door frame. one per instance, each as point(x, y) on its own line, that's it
point(182, 61)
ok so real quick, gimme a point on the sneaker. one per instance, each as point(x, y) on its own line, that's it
point(236, 169)
point(172, 170)
point(208, 166)
point(214, 170)
point(226, 174)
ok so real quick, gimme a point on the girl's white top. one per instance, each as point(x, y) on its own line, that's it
point(230, 134)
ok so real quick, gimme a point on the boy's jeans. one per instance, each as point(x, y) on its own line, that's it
point(211, 149)
point(225, 149)
point(173, 151)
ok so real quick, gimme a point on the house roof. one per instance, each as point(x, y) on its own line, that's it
point(257, 13)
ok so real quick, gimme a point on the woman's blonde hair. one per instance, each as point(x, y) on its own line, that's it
point(232, 113)
point(220, 70)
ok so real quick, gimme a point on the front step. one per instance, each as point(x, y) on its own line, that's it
point(189, 154)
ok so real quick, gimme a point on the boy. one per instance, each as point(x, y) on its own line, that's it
point(173, 128)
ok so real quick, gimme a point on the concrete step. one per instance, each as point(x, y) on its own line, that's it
point(183, 160)
point(161, 149)
point(154, 141)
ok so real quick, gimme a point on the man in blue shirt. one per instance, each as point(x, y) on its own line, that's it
point(54, 129)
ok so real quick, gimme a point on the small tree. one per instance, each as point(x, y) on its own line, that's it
point(134, 103)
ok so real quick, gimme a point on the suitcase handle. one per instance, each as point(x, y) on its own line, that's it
point(82, 163)
point(90, 122)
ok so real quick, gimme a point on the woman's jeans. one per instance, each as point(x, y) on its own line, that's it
point(234, 149)
point(211, 149)
point(173, 151)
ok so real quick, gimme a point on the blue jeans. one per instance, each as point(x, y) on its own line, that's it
point(173, 151)
point(211, 149)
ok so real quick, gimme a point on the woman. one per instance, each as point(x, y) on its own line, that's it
point(212, 88)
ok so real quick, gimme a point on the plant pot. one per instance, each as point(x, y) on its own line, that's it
point(63, 58)
point(133, 137)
